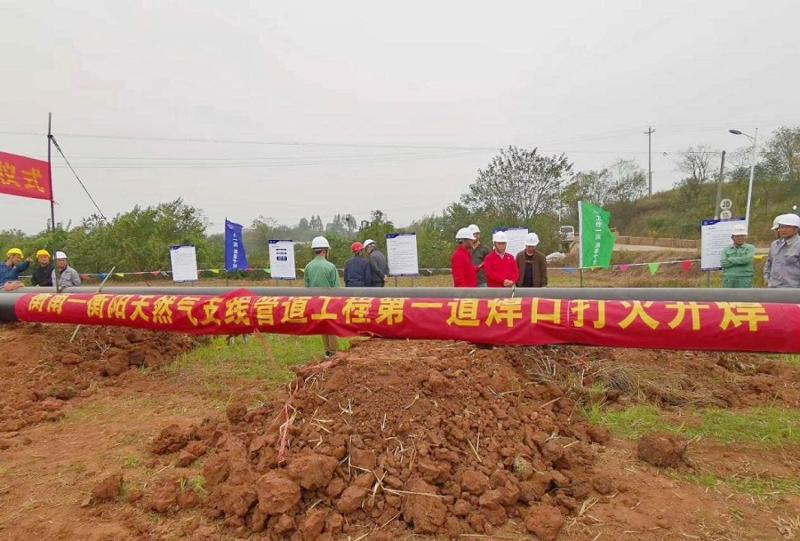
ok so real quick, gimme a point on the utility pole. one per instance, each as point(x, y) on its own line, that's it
point(719, 185)
point(649, 133)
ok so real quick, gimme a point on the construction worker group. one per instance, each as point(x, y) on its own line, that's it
point(44, 275)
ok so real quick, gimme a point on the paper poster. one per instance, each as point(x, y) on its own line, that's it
point(715, 236)
point(401, 249)
point(516, 239)
point(184, 263)
point(281, 259)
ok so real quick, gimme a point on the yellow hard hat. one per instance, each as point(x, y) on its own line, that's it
point(40, 253)
point(14, 251)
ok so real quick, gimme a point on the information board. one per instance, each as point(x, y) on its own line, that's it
point(184, 263)
point(281, 259)
point(401, 249)
point(516, 239)
point(715, 236)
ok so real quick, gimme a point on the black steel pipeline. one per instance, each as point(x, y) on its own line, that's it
point(774, 295)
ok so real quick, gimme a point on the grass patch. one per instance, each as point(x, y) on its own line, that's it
point(131, 462)
point(769, 425)
point(758, 487)
point(793, 360)
point(267, 357)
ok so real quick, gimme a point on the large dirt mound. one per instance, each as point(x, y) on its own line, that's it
point(42, 369)
point(449, 439)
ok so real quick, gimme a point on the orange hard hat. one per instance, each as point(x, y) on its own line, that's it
point(356, 247)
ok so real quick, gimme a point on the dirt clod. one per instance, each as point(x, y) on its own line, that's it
point(108, 489)
point(663, 450)
point(545, 521)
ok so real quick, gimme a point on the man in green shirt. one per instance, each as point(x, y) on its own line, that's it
point(737, 260)
point(322, 273)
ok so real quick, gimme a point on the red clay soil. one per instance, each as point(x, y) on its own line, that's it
point(445, 440)
point(667, 378)
point(42, 371)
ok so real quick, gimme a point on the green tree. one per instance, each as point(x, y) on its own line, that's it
point(519, 184)
point(782, 154)
point(376, 228)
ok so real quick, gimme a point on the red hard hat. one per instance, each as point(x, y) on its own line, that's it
point(356, 247)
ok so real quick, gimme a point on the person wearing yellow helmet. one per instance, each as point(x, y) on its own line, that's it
point(43, 275)
point(13, 266)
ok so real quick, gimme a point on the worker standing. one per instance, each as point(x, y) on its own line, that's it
point(464, 271)
point(357, 272)
point(532, 264)
point(479, 253)
point(43, 275)
point(783, 262)
point(322, 273)
point(377, 264)
point(67, 276)
point(500, 266)
point(737, 260)
point(12, 268)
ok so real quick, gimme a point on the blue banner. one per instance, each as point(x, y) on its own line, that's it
point(235, 255)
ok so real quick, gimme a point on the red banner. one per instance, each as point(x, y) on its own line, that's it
point(723, 326)
point(25, 177)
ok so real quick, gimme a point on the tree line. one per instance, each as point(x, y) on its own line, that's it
point(518, 188)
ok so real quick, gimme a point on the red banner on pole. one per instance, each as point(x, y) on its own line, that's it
point(722, 326)
point(25, 177)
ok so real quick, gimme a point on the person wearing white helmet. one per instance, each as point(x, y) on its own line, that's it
point(479, 253)
point(67, 276)
point(464, 271)
point(532, 264)
point(783, 263)
point(378, 267)
point(737, 260)
point(500, 266)
point(322, 273)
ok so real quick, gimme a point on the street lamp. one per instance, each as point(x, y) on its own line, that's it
point(753, 138)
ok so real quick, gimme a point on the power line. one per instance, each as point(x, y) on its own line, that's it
point(58, 148)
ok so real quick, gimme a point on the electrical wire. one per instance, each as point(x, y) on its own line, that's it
point(58, 148)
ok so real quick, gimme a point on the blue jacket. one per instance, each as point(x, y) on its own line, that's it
point(11, 274)
point(357, 272)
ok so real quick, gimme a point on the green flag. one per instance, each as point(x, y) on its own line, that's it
point(597, 240)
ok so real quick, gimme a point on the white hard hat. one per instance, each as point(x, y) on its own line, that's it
point(790, 219)
point(368, 242)
point(776, 221)
point(320, 242)
point(499, 236)
point(465, 233)
point(739, 229)
point(474, 228)
point(61, 255)
point(531, 239)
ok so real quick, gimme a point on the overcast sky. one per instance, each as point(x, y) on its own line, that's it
point(326, 107)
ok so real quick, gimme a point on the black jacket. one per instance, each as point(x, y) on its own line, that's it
point(43, 276)
point(357, 272)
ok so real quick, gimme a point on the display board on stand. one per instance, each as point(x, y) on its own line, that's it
point(516, 239)
point(715, 236)
point(401, 249)
point(281, 260)
point(184, 263)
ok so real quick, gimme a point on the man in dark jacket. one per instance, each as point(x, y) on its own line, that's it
point(42, 276)
point(479, 253)
point(377, 264)
point(532, 264)
point(357, 272)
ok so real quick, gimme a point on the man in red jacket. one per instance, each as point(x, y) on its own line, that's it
point(465, 274)
point(500, 267)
